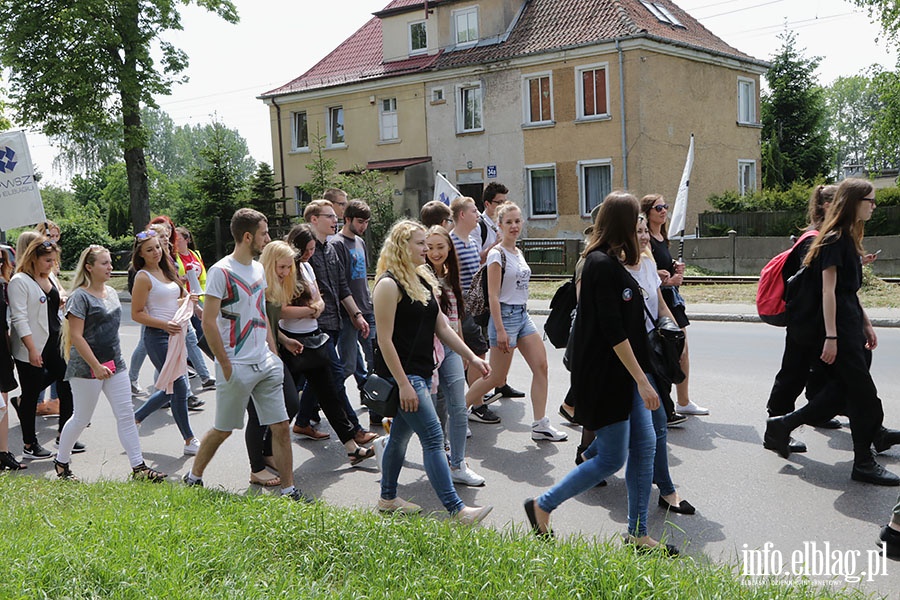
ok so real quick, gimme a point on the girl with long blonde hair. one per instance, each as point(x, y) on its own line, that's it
point(95, 363)
point(407, 319)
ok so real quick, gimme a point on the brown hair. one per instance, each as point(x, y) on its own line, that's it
point(615, 228)
point(434, 213)
point(647, 203)
point(357, 209)
point(245, 220)
point(314, 209)
point(450, 273)
point(840, 218)
point(821, 195)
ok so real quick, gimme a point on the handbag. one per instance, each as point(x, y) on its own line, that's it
point(666, 343)
point(312, 356)
point(382, 395)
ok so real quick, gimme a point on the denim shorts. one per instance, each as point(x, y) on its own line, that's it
point(516, 321)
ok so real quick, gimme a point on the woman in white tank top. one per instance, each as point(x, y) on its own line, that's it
point(155, 298)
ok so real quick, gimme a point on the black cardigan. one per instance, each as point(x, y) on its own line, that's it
point(610, 310)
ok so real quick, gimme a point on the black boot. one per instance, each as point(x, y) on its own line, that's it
point(885, 438)
point(778, 435)
point(891, 539)
point(867, 470)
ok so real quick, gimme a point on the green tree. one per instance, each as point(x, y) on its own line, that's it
point(218, 183)
point(87, 67)
point(886, 12)
point(321, 169)
point(371, 187)
point(793, 116)
point(885, 138)
point(264, 191)
point(852, 106)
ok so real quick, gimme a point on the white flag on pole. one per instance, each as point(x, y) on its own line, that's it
point(20, 198)
point(444, 190)
point(679, 212)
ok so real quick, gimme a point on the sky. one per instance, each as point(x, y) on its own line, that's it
point(278, 40)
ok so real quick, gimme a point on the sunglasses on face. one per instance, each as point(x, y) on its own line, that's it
point(145, 235)
point(661, 207)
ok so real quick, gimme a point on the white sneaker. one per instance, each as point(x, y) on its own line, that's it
point(468, 431)
point(466, 476)
point(472, 515)
point(543, 430)
point(192, 447)
point(379, 445)
point(691, 409)
point(398, 505)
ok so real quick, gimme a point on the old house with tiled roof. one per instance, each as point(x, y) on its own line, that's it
point(560, 100)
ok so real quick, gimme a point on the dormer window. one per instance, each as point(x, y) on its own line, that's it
point(418, 37)
point(465, 22)
point(662, 13)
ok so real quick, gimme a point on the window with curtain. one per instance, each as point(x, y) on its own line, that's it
point(596, 183)
point(542, 191)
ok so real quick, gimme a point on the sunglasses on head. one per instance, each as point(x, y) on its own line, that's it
point(661, 207)
point(145, 235)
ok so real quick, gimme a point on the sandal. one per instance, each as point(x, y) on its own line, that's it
point(270, 464)
point(63, 471)
point(8, 462)
point(359, 455)
point(265, 479)
point(144, 473)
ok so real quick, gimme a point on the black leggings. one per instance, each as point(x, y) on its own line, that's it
point(259, 437)
point(37, 379)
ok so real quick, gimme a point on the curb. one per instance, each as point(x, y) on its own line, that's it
point(738, 318)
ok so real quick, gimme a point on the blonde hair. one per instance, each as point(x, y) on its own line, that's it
point(37, 248)
point(279, 292)
point(396, 258)
point(44, 227)
point(24, 240)
point(506, 207)
point(82, 278)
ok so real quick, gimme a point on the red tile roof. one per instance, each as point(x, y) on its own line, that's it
point(544, 26)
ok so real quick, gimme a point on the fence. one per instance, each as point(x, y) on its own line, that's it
point(556, 256)
point(885, 221)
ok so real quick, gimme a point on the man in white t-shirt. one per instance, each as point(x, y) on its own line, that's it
point(247, 364)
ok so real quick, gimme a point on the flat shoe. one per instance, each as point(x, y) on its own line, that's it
point(363, 437)
point(683, 508)
point(265, 479)
point(359, 455)
point(566, 415)
point(532, 519)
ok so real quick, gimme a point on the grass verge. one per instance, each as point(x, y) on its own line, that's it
point(137, 540)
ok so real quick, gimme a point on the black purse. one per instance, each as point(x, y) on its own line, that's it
point(666, 343)
point(382, 395)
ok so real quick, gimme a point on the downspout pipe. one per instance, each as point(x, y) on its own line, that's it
point(622, 115)
point(280, 144)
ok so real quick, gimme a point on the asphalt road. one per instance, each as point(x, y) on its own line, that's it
point(748, 499)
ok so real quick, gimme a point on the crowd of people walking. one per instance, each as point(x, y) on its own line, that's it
point(288, 322)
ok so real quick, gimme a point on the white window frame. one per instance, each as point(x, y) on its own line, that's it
point(415, 51)
point(579, 92)
point(746, 187)
point(295, 145)
point(330, 142)
point(530, 193)
point(662, 13)
point(582, 182)
point(461, 108)
point(466, 12)
point(526, 98)
point(748, 86)
point(384, 115)
point(437, 95)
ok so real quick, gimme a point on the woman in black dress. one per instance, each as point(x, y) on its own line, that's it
point(671, 273)
point(845, 335)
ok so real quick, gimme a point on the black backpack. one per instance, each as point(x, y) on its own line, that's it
point(803, 299)
point(562, 314)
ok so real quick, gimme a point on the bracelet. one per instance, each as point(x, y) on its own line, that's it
point(357, 314)
point(830, 337)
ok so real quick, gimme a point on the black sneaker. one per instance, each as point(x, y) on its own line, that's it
point(675, 419)
point(187, 481)
point(509, 392)
point(491, 397)
point(195, 403)
point(482, 414)
point(78, 448)
point(298, 496)
point(208, 384)
point(36, 451)
point(8, 462)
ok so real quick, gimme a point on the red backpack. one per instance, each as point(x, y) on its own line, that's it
point(770, 302)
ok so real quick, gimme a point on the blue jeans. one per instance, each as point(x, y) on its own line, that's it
point(194, 354)
point(156, 342)
point(661, 476)
point(452, 383)
point(349, 343)
point(425, 424)
point(137, 358)
point(308, 402)
point(633, 439)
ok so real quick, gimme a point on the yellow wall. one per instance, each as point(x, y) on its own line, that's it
point(667, 99)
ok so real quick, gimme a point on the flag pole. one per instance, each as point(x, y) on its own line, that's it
point(679, 212)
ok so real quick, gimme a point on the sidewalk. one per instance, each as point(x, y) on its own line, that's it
point(880, 317)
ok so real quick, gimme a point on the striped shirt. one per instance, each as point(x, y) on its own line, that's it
point(469, 258)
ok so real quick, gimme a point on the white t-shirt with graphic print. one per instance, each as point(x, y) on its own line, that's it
point(514, 288)
point(242, 318)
